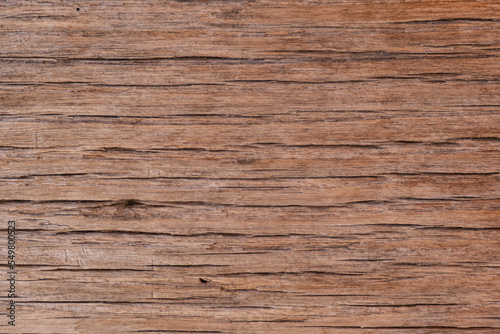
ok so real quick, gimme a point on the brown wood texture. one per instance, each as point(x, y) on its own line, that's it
point(251, 166)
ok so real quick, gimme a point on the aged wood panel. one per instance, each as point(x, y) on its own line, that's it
point(251, 166)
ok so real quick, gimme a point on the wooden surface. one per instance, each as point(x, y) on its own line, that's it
point(251, 166)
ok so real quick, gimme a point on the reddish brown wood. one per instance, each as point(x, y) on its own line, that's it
point(251, 166)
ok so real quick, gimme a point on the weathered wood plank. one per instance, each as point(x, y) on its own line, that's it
point(335, 67)
point(251, 166)
point(243, 29)
point(256, 99)
point(283, 192)
point(216, 136)
point(257, 162)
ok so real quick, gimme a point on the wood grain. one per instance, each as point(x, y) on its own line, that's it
point(252, 166)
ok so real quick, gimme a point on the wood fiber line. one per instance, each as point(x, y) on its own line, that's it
point(251, 166)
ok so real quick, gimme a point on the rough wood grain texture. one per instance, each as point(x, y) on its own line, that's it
point(252, 166)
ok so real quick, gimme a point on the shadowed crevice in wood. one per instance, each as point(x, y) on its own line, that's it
point(447, 20)
point(408, 327)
